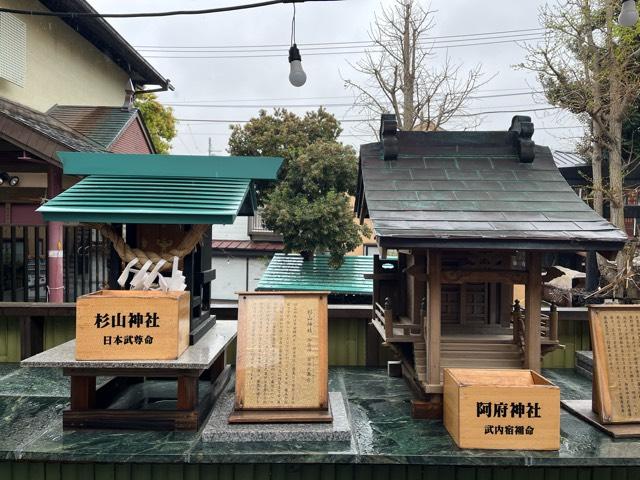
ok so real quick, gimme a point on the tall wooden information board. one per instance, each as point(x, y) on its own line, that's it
point(615, 338)
point(282, 359)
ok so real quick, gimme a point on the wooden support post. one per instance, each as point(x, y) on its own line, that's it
point(187, 392)
point(83, 392)
point(388, 318)
point(31, 336)
point(371, 358)
point(506, 302)
point(553, 323)
point(432, 330)
point(55, 268)
point(515, 318)
point(533, 297)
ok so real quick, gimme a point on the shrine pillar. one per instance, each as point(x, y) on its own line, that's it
point(533, 299)
point(433, 324)
point(55, 278)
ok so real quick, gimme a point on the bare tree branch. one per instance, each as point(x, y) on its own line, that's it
point(400, 79)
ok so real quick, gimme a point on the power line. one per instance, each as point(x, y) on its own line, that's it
point(209, 120)
point(227, 133)
point(317, 105)
point(171, 13)
point(271, 99)
point(505, 111)
point(222, 134)
point(336, 43)
point(337, 46)
point(284, 54)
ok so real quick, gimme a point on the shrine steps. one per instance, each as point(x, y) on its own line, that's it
point(481, 353)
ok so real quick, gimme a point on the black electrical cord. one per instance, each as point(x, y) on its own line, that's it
point(151, 14)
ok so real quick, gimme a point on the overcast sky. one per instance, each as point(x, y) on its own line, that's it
point(263, 80)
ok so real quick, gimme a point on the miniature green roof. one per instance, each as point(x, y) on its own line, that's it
point(291, 272)
point(172, 166)
point(162, 189)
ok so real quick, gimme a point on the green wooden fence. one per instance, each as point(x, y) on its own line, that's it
point(575, 336)
point(347, 341)
point(133, 471)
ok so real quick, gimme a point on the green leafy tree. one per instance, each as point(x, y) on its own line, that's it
point(283, 134)
point(310, 205)
point(159, 120)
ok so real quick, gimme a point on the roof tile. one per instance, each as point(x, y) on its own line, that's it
point(291, 272)
point(471, 185)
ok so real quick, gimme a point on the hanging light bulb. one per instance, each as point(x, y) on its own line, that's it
point(628, 14)
point(297, 77)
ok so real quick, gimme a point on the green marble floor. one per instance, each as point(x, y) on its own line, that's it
point(31, 402)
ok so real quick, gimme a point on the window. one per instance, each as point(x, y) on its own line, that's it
point(13, 49)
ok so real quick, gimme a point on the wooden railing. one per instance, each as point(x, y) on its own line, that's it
point(548, 324)
point(258, 231)
point(403, 329)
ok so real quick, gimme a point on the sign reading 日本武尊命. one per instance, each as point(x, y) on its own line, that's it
point(282, 360)
point(132, 325)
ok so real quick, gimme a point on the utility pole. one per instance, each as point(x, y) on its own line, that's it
point(210, 147)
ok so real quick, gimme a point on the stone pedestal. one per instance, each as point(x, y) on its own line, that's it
point(218, 429)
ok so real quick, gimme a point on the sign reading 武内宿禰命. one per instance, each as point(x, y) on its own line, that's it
point(497, 417)
point(501, 409)
point(282, 359)
point(132, 325)
point(615, 337)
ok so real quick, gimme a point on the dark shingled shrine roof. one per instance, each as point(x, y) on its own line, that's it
point(471, 190)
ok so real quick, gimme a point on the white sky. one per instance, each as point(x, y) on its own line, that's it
point(258, 81)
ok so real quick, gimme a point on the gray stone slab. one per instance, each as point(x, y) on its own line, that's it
point(585, 357)
point(219, 430)
point(584, 363)
point(198, 356)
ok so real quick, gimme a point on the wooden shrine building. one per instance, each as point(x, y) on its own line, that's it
point(155, 207)
point(469, 214)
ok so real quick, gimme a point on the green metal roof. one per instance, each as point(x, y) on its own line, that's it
point(174, 166)
point(119, 199)
point(178, 189)
point(291, 272)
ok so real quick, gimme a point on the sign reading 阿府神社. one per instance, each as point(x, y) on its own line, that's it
point(499, 414)
point(501, 409)
point(132, 325)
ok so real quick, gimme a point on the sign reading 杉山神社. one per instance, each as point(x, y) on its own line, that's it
point(132, 325)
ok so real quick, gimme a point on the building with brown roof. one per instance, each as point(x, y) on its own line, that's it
point(66, 84)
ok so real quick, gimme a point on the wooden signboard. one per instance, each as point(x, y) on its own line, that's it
point(615, 338)
point(282, 359)
point(501, 409)
point(132, 325)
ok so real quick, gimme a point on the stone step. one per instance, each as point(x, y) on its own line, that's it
point(482, 355)
point(480, 363)
point(584, 363)
point(465, 347)
point(477, 339)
